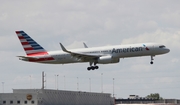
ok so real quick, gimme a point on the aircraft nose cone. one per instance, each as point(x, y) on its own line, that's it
point(167, 50)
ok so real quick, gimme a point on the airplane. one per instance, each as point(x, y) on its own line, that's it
point(94, 55)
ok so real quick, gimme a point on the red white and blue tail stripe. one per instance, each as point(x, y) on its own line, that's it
point(31, 47)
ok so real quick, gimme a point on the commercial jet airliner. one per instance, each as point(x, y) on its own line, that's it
point(94, 55)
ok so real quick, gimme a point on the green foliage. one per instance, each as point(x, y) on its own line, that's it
point(154, 96)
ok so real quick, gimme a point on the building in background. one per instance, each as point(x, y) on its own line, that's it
point(60, 97)
point(54, 97)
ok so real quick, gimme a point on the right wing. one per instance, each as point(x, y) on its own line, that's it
point(85, 46)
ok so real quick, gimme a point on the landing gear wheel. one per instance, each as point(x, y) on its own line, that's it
point(92, 67)
point(96, 67)
point(151, 62)
point(89, 68)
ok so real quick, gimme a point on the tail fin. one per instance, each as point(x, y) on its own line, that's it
point(30, 46)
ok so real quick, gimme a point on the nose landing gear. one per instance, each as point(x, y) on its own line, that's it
point(151, 60)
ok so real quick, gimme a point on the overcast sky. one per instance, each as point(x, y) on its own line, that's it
point(97, 23)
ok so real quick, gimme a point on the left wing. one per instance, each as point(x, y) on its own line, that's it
point(81, 56)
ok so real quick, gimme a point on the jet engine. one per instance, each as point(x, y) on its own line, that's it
point(107, 59)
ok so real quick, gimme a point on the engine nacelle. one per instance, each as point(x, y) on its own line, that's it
point(107, 59)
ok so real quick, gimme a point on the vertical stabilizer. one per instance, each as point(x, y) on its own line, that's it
point(30, 46)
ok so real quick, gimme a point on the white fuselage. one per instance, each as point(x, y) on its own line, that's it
point(115, 52)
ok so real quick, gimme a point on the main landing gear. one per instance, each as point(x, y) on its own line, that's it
point(151, 60)
point(92, 67)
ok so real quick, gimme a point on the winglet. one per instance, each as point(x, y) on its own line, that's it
point(85, 46)
point(64, 49)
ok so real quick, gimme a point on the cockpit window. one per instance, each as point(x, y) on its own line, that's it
point(161, 46)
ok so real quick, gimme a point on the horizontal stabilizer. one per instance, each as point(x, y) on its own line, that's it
point(27, 57)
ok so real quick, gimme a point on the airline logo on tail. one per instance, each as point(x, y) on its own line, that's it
point(35, 52)
point(31, 47)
